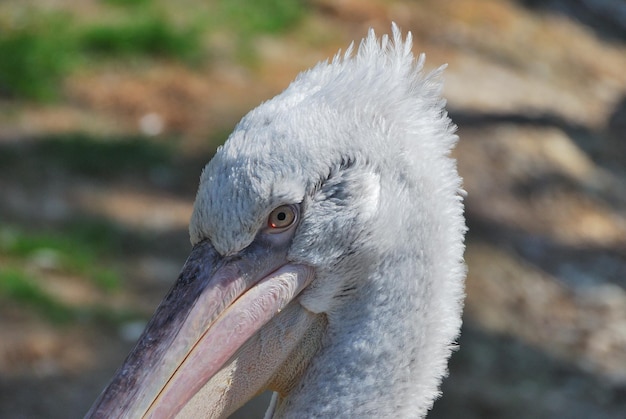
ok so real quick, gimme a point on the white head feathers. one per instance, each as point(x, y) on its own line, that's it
point(323, 116)
point(362, 143)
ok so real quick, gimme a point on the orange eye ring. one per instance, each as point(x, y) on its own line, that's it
point(282, 218)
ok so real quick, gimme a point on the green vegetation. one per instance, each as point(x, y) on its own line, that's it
point(17, 286)
point(84, 154)
point(150, 35)
point(88, 155)
point(37, 50)
point(262, 16)
point(248, 18)
point(34, 56)
point(81, 251)
point(77, 251)
point(127, 2)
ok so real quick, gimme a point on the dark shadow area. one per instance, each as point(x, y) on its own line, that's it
point(589, 140)
point(575, 266)
point(130, 159)
point(470, 119)
point(616, 130)
point(605, 147)
point(497, 376)
point(83, 154)
point(605, 17)
point(617, 121)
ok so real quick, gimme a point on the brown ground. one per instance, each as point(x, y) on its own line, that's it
point(538, 90)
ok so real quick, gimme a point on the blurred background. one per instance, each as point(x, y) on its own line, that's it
point(109, 109)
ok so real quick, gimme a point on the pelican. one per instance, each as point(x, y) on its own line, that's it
point(327, 260)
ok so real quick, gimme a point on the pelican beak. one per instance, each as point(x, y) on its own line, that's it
point(216, 340)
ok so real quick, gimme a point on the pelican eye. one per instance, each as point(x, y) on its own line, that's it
point(281, 218)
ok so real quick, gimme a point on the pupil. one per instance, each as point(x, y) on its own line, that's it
point(281, 216)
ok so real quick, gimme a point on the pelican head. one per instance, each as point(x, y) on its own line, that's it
point(327, 256)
